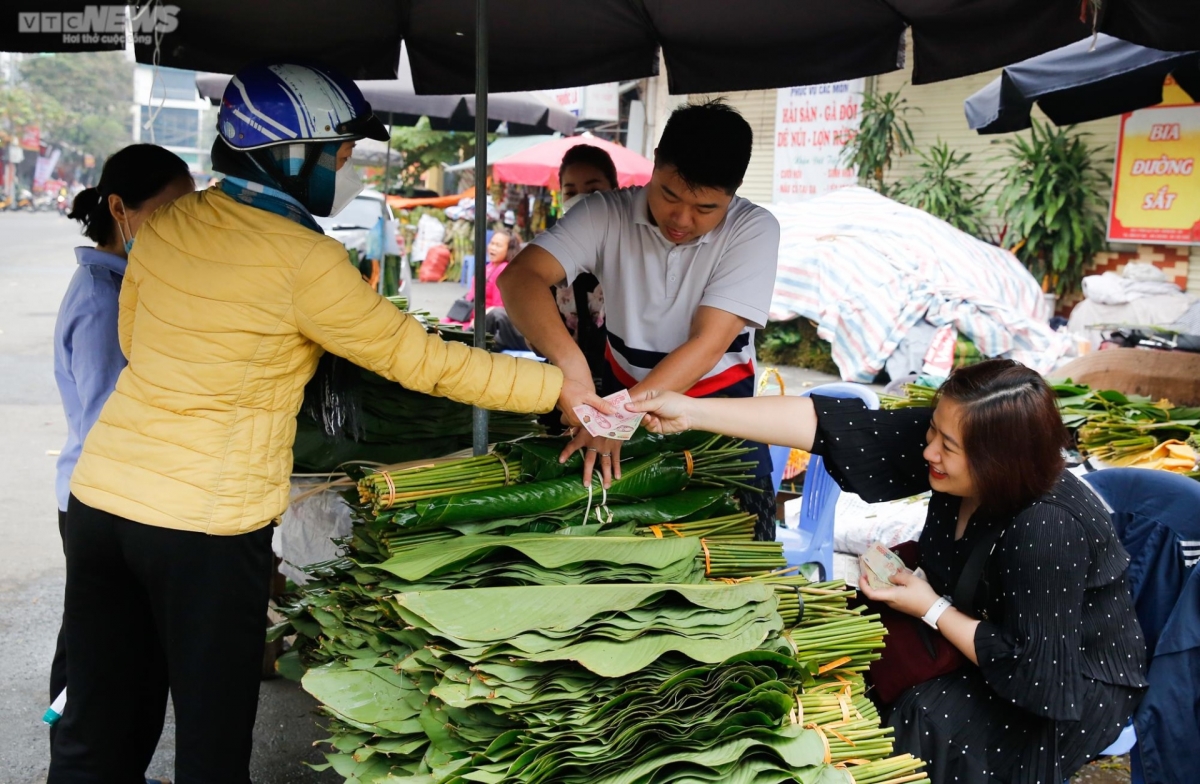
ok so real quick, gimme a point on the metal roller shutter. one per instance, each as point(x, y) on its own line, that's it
point(758, 107)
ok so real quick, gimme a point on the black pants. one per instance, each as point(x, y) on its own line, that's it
point(58, 666)
point(151, 610)
point(762, 506)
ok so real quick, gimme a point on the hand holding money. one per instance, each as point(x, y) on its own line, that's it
point(619, 426)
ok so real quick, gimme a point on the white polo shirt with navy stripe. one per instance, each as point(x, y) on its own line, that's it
point(652, 287)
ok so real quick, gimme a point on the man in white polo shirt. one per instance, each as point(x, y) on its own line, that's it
point(687, 268)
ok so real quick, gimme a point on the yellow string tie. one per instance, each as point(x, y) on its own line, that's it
point(504, 465)
point(675, 530)
point(391, 489)
point(657, 531)
point(707, 557)
point(824, 741)
point(687, 459)
point(833, 665)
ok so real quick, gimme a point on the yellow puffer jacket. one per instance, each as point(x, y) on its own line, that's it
point(225, 310)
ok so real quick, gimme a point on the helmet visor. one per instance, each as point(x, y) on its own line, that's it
point(365, 126)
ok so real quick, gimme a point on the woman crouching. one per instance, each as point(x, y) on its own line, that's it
point(1057, 660)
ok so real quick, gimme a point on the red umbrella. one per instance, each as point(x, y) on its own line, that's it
point(539, 164)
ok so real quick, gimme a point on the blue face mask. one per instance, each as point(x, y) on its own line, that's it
point(129, 241)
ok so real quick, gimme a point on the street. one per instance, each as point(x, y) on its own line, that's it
point(36, 263)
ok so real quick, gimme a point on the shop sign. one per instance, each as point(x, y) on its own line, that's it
point(812, 125)
point(1156, 185)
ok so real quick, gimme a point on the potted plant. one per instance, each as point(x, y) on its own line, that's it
point(883, 134)
point(941, 189)
point(1052, 203)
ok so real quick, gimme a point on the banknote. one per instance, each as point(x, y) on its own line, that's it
point(620, 425)
point(881, 564)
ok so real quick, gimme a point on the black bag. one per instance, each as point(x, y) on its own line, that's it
point(916, 653)
point(462, 310)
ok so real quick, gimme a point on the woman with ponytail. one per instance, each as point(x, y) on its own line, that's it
point(87, 356)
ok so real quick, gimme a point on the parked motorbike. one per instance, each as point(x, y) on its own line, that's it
point(43, 202)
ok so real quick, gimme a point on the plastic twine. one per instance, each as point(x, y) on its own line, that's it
point(824, 741)
point(707, 557)
point(387, 477)
point(833, 665)
point(691, 464)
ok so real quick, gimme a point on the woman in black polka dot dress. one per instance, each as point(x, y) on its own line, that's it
point(1057, 657)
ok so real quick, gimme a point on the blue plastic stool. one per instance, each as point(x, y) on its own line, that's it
point(467, 274)
point(812, 542)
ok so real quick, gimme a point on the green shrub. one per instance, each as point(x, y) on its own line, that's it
point(794, 344)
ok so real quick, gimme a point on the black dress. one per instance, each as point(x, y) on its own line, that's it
point(1061, 656)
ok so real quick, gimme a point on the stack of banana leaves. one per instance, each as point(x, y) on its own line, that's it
point(352, 415)
point(1111, 426)
point(492, 621)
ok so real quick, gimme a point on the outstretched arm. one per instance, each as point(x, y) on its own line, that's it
point(786, 421)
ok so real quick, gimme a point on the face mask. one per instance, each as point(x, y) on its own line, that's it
point(129, 240)
point(571, 202)
point(346, 185)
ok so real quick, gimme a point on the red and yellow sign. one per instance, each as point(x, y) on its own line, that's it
point(1156, 187)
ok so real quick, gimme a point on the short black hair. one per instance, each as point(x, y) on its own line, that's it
point(708, 143)
point(137, 174)
point(592, 156)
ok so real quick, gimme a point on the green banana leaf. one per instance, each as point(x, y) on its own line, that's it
point(549, 551)
point(539, 454)
point(498, 614)
point(656, 475)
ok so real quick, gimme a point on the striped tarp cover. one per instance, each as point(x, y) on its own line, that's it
point(866, 269)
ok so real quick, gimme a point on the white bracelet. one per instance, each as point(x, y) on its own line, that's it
point(935, 612)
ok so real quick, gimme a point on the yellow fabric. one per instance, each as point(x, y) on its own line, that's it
point(225, 310)
point(1171, 455)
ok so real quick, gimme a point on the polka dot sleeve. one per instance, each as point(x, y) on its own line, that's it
point(1033, 658)
point(876, 454)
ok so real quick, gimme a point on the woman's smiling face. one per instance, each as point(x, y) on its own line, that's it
point(949, 469)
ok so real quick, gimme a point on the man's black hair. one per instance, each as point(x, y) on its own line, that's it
point(708, 143)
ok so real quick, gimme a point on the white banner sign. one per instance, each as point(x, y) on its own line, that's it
point(594, 102)
point(812, 124)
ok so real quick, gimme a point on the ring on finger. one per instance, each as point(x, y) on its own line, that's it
point(592, 449)
point(607, 454)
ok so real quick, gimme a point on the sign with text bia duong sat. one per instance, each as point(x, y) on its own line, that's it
point(1156, 187)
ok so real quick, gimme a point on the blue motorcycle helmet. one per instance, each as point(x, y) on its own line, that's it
point(281, 125)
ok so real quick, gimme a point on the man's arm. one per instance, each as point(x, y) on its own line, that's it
point(712, 331)
point(525, 286)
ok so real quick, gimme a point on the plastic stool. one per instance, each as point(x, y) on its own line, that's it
point(812, 542)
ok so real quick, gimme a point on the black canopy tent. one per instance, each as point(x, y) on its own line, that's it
point(397, 102)
point(708, 45)
point(1093, 78)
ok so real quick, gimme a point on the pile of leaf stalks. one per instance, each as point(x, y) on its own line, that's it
point(1110, 426)
point(494, 621)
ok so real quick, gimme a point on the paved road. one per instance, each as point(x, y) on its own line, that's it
point(36, 263)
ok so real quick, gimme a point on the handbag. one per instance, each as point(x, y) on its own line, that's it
point(915, 652)
point(462, 310)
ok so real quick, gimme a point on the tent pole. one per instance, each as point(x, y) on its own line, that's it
point(480, 418)
point(387, 173)
point(387, 165)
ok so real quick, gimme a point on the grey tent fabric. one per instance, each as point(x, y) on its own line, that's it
point(396, 102)
point(1089, 79)
point(708, 45)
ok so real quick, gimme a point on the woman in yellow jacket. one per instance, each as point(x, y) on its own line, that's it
point(230, 297)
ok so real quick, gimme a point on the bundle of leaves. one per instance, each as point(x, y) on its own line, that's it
point(352, 415)
point(535, 631)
